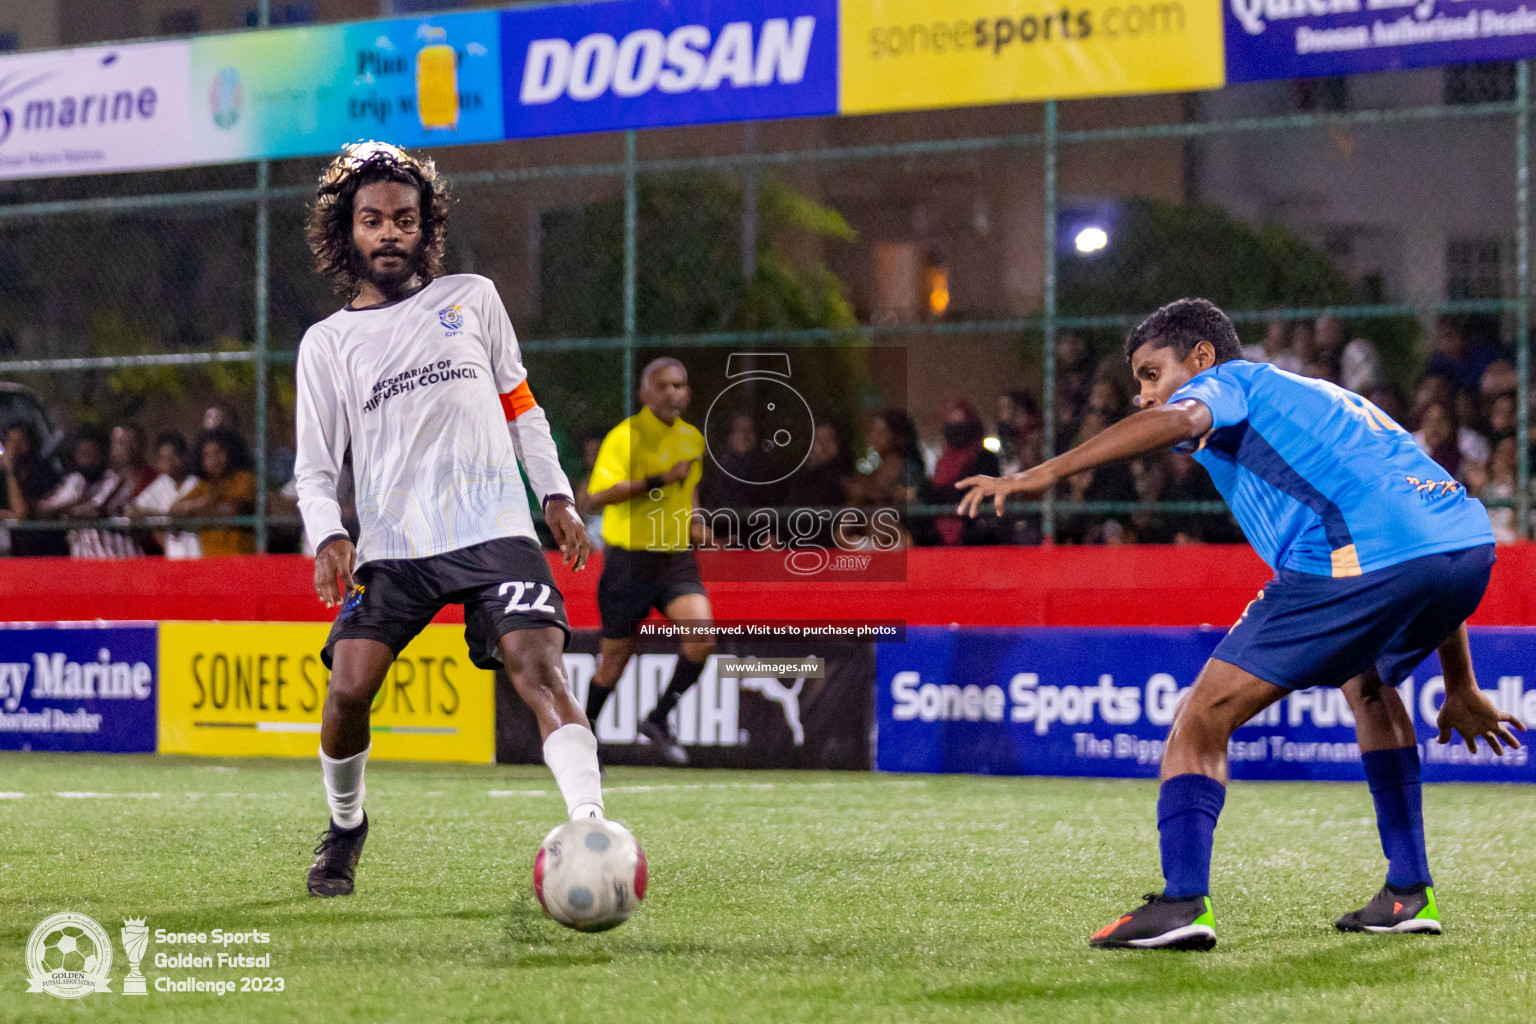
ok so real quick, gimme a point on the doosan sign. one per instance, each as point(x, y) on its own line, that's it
point(635, 63)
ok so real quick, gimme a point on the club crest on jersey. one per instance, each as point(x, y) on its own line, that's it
point(452, 318)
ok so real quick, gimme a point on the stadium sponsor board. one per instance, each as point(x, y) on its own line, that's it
point(78, 687)
point(810, 707)
point(1268, 39)
point(257, 688)
point(917, 55)
point(1098, 702)
point(295, 91)
point(641, 64)
point(94, 109)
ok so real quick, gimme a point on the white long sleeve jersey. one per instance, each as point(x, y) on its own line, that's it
point(431, 395)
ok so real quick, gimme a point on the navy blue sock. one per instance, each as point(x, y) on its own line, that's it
point(1393, 776)
point(1187, 809)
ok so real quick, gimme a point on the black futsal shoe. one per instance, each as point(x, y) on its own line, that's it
point(1396, 911)
point(336, 860)
point(1161, 923)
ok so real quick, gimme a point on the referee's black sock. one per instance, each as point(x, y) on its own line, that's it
point(597, 696)
point(684, 675)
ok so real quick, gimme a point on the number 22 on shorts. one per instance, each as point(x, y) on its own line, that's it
point(519, 588)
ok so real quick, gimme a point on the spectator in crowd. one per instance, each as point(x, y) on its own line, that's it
point(1018, 431)
point(1461, 450)
point(740, 477)
point(893, 471)
point(87, 470)
point(219, 416)
point(1074, 380)
point(822, 483)
point(1389, 400)
point(227, 488)
point(963, 456)
point(1500, 488)
point(127, 475)
point(1463, 349)
point(1275, 348)
point(1303, 344)
point(29, 480)
point(1500, 378)
point(1329, 337)
point(1502, 418)
point(1360, 368)
point(1106, 483)
point(174, 482)
point(1107, 398)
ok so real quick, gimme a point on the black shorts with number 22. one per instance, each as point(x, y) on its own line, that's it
point(503, 584)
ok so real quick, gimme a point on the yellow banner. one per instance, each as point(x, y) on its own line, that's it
point(921, 54)
point(256, 688)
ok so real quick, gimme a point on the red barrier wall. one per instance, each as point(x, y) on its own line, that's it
point(1043, 586)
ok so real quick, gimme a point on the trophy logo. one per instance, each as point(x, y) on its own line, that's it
point(69, 956)
point(135, 939)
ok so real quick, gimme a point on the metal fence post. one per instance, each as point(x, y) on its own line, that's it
point(263, 172)
point(631, 218)
point(1048, 320)
point(1523, 310)
point(263, 225)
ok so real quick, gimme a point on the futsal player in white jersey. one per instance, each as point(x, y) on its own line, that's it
point(419, 374)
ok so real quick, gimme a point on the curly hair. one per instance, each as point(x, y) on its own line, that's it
point(1184, 324)
point(329, 226)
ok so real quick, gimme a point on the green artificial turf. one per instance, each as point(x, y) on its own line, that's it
point(774, 897)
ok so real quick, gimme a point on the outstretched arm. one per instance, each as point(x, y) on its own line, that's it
point(1142, 432)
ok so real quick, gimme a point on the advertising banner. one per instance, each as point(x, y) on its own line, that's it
point(256, 688)
point(1098, 702)
point(100, 108)
point(300, 91)
point(812, 708)
point(917, 55)
point(1269, 39)
point(78, 687)
point(642, 64)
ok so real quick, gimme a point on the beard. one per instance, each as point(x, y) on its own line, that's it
point(389, 281)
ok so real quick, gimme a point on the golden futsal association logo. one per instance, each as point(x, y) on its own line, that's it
point(69, 956)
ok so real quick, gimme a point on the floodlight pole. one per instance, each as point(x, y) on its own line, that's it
point(263, 226)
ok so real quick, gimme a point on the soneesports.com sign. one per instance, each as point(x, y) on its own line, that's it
point(1097, 701)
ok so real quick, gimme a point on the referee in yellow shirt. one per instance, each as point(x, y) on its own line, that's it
point(646, 475)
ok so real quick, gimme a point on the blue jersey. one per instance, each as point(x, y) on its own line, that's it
point(1320, 479)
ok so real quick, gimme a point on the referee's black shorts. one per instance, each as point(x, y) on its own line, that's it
point(634, 582)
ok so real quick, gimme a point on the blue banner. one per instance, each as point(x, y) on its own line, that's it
point(1269, 39)
point(643, 64)
point(79, 687)
point(1098, 702)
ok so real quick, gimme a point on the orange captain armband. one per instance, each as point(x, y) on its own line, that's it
point(517, 401)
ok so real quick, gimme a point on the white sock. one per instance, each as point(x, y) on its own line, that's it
point(571, 753)
point(344, 787)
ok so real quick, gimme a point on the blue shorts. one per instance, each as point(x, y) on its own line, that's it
point(1306, 630)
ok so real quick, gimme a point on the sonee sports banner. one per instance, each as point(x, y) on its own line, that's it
point(1098, 702)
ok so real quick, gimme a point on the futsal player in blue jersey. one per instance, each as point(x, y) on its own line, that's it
point(1379, 557)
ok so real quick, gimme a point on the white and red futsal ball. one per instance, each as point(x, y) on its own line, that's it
point(590, 874)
